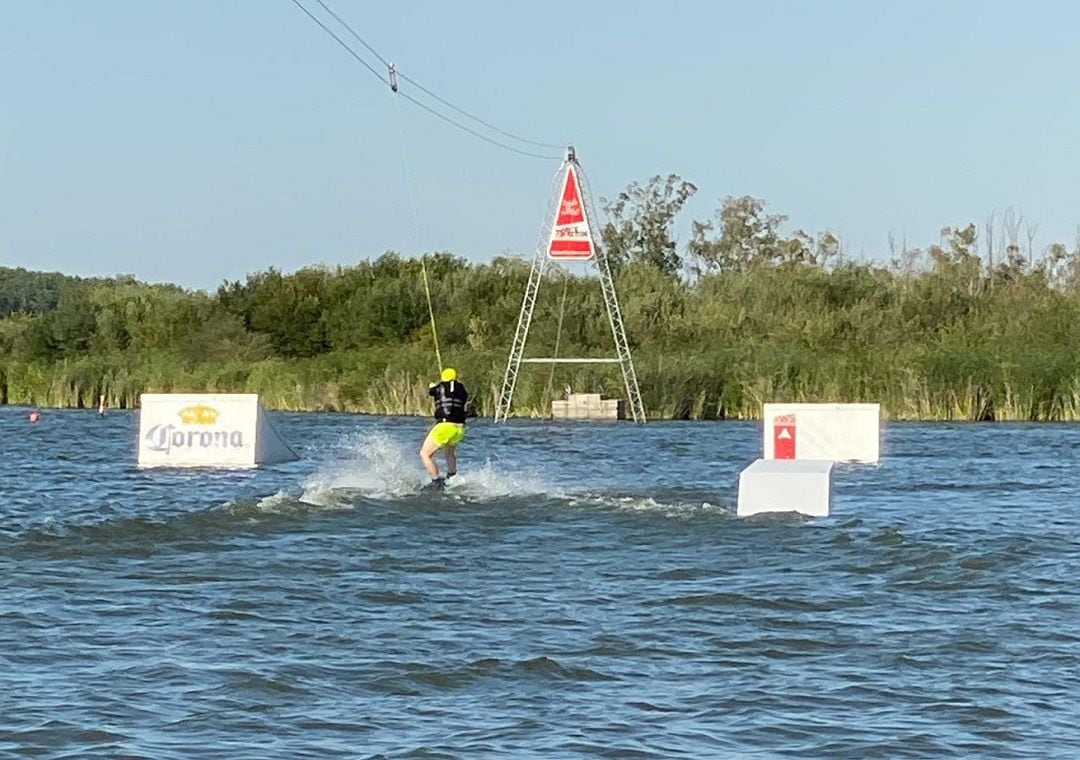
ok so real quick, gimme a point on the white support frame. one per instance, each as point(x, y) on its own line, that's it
point(611, 302)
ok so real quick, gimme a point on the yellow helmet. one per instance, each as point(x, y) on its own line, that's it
point(449, 374)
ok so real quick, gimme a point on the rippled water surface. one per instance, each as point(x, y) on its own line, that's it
point(583, 590)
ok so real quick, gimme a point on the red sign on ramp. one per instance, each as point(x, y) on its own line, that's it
point(784, 436)
point(570, 236)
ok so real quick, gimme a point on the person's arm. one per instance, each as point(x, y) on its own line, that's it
point(431, 389)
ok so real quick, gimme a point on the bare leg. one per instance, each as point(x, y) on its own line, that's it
point(427, 452)
point(451, 460)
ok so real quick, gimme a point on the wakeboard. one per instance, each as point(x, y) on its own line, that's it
point(435, 486)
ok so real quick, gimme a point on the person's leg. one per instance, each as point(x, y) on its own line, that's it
point(427, 452)
point(451, 459)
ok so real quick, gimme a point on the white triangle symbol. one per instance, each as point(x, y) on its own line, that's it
point(784, 433)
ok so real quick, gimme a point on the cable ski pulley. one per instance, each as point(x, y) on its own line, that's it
point(391, 80)
point(394, 74)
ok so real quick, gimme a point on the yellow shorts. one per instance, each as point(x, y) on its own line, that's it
point(447, 433)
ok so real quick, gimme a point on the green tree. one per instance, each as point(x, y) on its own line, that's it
point(640, 226)
point(287, 309)
point(32, 292)
point(741, 236)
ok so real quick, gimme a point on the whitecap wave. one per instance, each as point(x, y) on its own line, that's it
point(374, 465)
point(493, 482)
point(646, 503)
point(377, 466)
point(276, 502)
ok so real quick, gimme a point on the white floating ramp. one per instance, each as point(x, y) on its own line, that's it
point(786, 485)
point(207, 430)
point(838, 432)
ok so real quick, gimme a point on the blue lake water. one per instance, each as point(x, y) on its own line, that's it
point(582, 590)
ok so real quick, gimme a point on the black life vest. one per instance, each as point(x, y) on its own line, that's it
point(450, 397)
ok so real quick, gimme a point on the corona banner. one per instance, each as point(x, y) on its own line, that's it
point(207, 430)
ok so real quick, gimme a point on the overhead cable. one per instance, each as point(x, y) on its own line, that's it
point(425, 90)
point(391, 82)
point(341, 42)
point(477, 119)
point(353, 32)
point(473, 132)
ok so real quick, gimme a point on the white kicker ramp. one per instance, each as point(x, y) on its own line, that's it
point(207, 430)
point(839, 432)
point(786, 485)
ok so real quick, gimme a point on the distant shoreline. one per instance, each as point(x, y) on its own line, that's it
point(527, 418)
point(947, 339)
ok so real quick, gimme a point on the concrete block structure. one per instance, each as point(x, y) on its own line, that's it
point(588, 406)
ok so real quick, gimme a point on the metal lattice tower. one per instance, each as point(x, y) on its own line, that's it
point(611, 301)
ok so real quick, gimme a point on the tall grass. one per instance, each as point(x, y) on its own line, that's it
point(938, 344)
point(674, 386)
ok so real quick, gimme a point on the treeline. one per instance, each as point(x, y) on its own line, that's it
point(743, 314)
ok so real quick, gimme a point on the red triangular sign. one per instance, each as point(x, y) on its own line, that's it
point(570, 237)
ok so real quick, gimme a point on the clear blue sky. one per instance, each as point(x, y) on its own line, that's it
point(201, 140)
